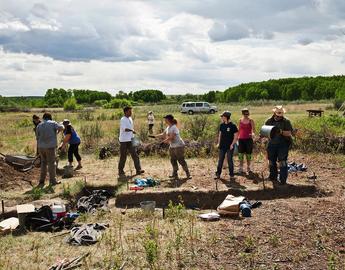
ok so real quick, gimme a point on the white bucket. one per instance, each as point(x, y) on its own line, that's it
point(59, 211)
point(148, 206)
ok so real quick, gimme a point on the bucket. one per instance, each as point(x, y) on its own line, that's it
point(148, 206)
point(68, 171)
point(59, 211)
point(135, 142)
point(268, 131)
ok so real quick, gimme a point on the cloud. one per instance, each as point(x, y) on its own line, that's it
point(228, 31)
point(172, 45)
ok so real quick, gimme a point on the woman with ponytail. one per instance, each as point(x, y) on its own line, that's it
point(177, 146)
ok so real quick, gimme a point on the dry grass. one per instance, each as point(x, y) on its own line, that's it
point(292, 233)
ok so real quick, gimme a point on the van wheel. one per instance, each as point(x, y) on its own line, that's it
point(190, 112)
point(212, 111)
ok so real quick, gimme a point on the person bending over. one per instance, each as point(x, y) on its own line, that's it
point(72, 138)
point(171, 136)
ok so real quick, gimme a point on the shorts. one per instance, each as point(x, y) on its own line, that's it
point(245, 146)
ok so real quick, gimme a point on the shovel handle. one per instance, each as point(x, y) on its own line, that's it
point(2, 155)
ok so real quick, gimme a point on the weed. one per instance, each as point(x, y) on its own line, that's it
point(274, 240)
point(332, 262)
point(249, 244)
point(150, 244)
point(37, 193)
point(175, 211)
point(70, 190)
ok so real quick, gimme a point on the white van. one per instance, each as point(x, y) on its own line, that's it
point(197, 107)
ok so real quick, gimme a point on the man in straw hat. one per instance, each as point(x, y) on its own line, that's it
point(279, 144)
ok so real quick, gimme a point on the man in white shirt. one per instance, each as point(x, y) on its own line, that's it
point(126, 135)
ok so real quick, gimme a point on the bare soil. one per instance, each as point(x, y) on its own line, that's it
point(11, 179)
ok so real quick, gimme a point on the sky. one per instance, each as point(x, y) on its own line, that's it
point(177, 46)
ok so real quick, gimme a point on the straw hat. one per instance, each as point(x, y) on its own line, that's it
point(279, 109)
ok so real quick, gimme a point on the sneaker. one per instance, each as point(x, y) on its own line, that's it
point(140, 172)
point(173, 176)
point(122, 175)
point(54, 183)
point(78, 167)
point(216, 177)
point(40, 185)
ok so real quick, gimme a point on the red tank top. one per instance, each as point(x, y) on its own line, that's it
point(245, 130)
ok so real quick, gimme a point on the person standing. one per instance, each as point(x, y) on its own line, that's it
point(171, 136)
point(46, 133)
point(72, 138)
point(126, 136)
point(227, 138)
point(279, 144)
point(150, 121)
point(245, 140)
point(36, 121)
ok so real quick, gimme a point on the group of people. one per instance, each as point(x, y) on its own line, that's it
point(230, 136)
point(46, 131)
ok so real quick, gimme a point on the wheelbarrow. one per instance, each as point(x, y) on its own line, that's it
point(22, 163)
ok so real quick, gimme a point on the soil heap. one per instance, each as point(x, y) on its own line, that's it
point(11, 179)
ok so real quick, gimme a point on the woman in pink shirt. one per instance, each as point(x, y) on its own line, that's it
point(245, 142)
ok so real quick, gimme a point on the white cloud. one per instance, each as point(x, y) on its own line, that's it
point(177, 46)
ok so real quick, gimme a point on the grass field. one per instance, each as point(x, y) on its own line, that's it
point(299, 226)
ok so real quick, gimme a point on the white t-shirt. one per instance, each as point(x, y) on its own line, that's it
point(177, 142)
point(126, 136)
point(150, 119)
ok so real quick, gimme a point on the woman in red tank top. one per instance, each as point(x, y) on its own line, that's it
point(245, 142)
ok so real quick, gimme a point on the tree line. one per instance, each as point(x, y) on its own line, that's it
point(288, 89)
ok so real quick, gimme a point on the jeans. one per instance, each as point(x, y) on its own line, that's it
point(230, 154)
point(48, 158)
point(278, 153)
point(73, 149)
point(126, 147)
point(177, 156)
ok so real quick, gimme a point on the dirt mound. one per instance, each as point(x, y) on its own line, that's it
point(11, 179)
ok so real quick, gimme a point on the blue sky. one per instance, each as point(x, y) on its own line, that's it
point(177, 46)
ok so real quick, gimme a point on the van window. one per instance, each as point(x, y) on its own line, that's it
point(190, 104)
point(206, 104)
point(184, 105)
point(199, 104)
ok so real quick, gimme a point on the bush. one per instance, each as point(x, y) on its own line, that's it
point(337, 103)
point(70, 104)
point(117, 103)
point(101, 103)
point(91, 135)
point(200, 127)
point(86, 115)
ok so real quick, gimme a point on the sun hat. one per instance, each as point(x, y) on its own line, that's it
point(279, 109)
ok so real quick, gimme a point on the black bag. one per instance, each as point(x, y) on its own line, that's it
point(41, 220)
